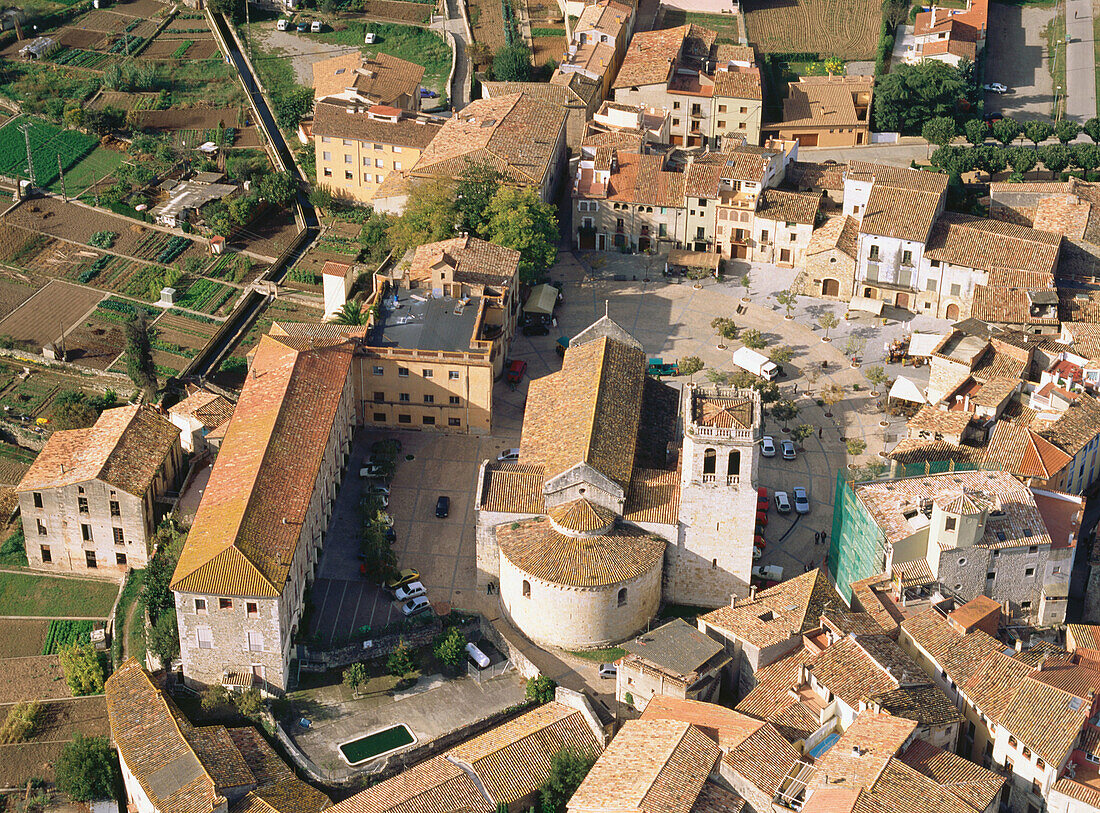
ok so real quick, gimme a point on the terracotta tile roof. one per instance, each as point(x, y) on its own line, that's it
point(903, 789)
point(904, 214)
point(209, 408)
point(587, 412)
point(839, 232)
point(584, 89)
point(381, 78)
point(743, 163)
point(513, 488)
point(993, 364)
point(581, 515)
point(926, 705)
point(508, 761)
point(1075, 427)
point(331, 118)
point(219, 755)
point(262, 761)
point(620, 554)
point(810, 175)
point(1045, 718)
point(771, 699)
point(1066, 214)
point(605, 16)
point(1076, 790)
point(550, 93)
point(850, 672)
point(1007, 306)
point(778, 613)
point(825, 101)
point(863, 751)
point(723, 412)
point(626, 141)
point(739, 83)
point(972, 783)
point(650, 765)
point(125, 449)
point(977, 242)
point(654, 496)
point(844, 622)
point(1085, 636)
point(932, 419)
point(914, 450)
point(290, 795)
point(704, 180)
point(714, 798)
point(1023, 452)
point(650, 58)
point(897, 177)
point(792, 207)
point(961, 656)
point(515, 135)
point(246, 529)
point(1085, 337)
point(470, 259)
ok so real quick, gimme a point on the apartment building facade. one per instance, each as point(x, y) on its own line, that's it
point(92, 498)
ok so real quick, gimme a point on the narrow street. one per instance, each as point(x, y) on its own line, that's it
point(460, 86)
point(1080, 62)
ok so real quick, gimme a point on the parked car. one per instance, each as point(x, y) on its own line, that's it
point(761, 517)
point(416, 605)
point(992, 118)
point(282, 25)
point(508, 456)
point(515, 371)
point(771, 572)
point(410, 590)
point(315, 27)
point(379, 488)
point(443, 507)
point(302, 27)
point(789, 452)
point(608, 670)
point(801, 500)
point(368, 38)
point(782, 502)
point(373, 471)
point(767, 446)
point(762, 496)
point(759, 541)
point(995, 87)
point(404, 577)
point(480, 659)
point(756, 554)
point(425, 93)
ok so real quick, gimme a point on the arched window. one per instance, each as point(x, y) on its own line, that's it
point(526, 589)
point(622, 597)
point(734, 467)
point(709, 459)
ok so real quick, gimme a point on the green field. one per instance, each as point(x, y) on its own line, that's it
point(48, 143)
point(64, 633)
point(27, 594)
point(724, 24)
point(89, 169)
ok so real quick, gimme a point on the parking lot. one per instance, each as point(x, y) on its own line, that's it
point(1017, 56)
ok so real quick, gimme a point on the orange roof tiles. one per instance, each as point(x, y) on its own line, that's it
point(977, 242)
point(382, 78)
point(827, 101)
point(331, 118)
point(650, 58)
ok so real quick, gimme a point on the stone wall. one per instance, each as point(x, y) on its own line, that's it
point(336, 657)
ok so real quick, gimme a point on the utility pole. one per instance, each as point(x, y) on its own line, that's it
point(27, 139)
point(61, 174)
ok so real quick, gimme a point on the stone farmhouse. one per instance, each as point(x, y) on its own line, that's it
point(91, 500)
point(603, 516)
point(171, 766)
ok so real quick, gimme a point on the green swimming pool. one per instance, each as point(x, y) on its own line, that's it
point(377, 744)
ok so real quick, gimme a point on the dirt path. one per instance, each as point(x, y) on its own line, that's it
point(128, 623)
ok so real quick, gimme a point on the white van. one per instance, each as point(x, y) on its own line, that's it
point(315, 27)
point(477, 656)
point(281, 25)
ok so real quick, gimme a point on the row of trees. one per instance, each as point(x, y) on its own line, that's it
point(955, 160)
point(943, 129)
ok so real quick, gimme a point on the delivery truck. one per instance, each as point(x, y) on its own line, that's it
point(755, 363)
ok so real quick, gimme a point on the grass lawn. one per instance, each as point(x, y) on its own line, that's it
point(130, 593)
point(89, 169)
point(605, 655)
point(12, 552)
point(208, 82)
point(404, 41)
point(34, 594)
point(724, 24)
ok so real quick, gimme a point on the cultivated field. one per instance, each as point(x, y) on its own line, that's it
point(487, 22)
point(848, 29)
point(41, 318)
point(96, 343)
point(34, 594)
point(397, 11)
point(49, 144)
point(37, 676)
point(13, 293)
point(20, 638)
point(57, 723)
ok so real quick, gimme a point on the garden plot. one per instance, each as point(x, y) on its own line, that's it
point(96, 343)
point(487, 21)
point(184, 334)
point(40, 319)
point(848, 29)
point(121, 100)
point(50, 146)
point(56, 725)
point(397, 11)
point(181, 46)
point(13, 293)
point(22, 637)
point(81, 38)
point(269, 234)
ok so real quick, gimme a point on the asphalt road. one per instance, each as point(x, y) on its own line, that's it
point(1080, 55)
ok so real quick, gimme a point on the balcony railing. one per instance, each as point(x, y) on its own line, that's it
point(720, 432)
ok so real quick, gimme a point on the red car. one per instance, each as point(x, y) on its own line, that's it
point(762, 494)
point(759, 542)
point(515, 371)
point(761, 518)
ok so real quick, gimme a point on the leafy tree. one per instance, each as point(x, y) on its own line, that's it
point(1055, 157)
point(479, 53)
point(83, 671)
point(19, 724)
point(992, 159)
point(975, 131)
point(354, 677)
point(1038, 131)
point(430, 215)
point(351, 313)
point(215, 699)
point(689, 366)
point(250, 702)
point(801, 432)
point(164, 637)
point(512, 63)
point(139, 356)
point(828, 321)
point(910, 95)
point(856, 446)
point(788, 300)
point(568, 768)
point(278, 188)
point(1065, 130)
point(402, 661)
point(832, 395)
point(785, 411)
point(939, 131)
point(834, 66)
point(373, 237)
point(450, 648)
point(519, 219)
point(876, 375)
point(73, 410)
point(1022, 159)
point(1007, 130)
point(781, 355)
point(753, 339)
point(854, 346)
point(87, 769)
point(155, 594)
point(1091, 128)
point(540, 689)
point(1086, 156)
point(477, 185)
point(292, 105)
point(724, 327)
point(954, 160)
